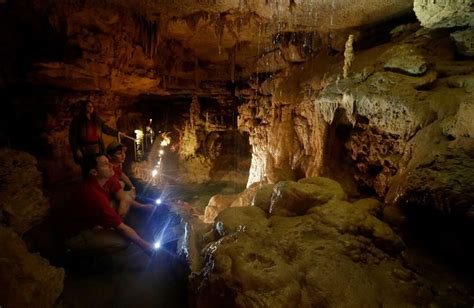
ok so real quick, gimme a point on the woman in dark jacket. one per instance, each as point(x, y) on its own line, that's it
point(85, 132)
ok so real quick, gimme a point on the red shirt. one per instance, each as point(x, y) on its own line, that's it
point(90, 133)
point(117, 170)
point(91, 207)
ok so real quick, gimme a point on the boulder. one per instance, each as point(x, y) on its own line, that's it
point(444, 14)
point(247, 219)
point(295, 198)
point(27, 280)
point(445, 184)
point(21, 198)
point(216, 205)
point(405, 58)
point(220, 202)
point(263, 197)
point(464, 41)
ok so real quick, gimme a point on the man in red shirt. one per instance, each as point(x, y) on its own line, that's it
point(91, 207)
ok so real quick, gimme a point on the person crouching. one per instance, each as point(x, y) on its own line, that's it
point(90, 209)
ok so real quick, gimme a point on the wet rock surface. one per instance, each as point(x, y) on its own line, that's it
point(338, 253)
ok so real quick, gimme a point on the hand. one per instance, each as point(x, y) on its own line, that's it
point(79, 154)
point(149, 207)
point(122, 211)
point(148, 249)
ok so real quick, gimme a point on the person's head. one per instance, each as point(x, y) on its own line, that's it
point(116, 152)
point(86, 108)
point(97, 166)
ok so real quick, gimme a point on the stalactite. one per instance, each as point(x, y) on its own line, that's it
point(152, 39)
point(157, 40)
point(232, 63)
point(147, 35)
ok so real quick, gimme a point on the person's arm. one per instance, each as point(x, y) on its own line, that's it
point(134, 237)
point(142, 206)
point(124, 203)
point(107, 129)
point(127, 180)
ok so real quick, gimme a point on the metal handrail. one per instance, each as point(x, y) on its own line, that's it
point(135, 153)
point(126, 136)
point(134, 143)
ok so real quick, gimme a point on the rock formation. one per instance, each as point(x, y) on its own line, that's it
point(22, 203)
point(356, 91)
point(316, 250)
point(26, 279)
point(395, 114)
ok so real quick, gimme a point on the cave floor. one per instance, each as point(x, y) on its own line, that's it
point(159, 282)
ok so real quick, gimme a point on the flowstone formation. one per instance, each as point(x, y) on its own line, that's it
point(305, 245)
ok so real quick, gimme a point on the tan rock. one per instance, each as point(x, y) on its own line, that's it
point(338, 254)
point(405, 58)
point(263, 197)
point(217, 204)
point(293, 199)
point(465, 41)
point(21, 197)
point(27, 279)
point(444, 14)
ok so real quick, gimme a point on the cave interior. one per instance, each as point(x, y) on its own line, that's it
point(302, 153)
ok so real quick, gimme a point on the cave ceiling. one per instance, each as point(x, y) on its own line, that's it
point(165, 47)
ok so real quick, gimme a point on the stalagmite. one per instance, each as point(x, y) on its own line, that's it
point(348, 56)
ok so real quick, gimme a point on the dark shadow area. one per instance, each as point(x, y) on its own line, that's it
point(337, 161)
point(440, 249)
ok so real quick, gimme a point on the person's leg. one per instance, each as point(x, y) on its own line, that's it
point(96, 242)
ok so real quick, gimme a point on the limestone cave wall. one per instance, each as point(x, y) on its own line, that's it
point(398, 115)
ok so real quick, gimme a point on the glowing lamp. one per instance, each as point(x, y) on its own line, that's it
point(157, 245)
point(161, 152)
point(154, 172)
point(158, 201)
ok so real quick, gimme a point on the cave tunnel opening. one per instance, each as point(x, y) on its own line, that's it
point(200, 127)
point(338, 162)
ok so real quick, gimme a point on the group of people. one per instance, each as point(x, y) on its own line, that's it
point(105, 195)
